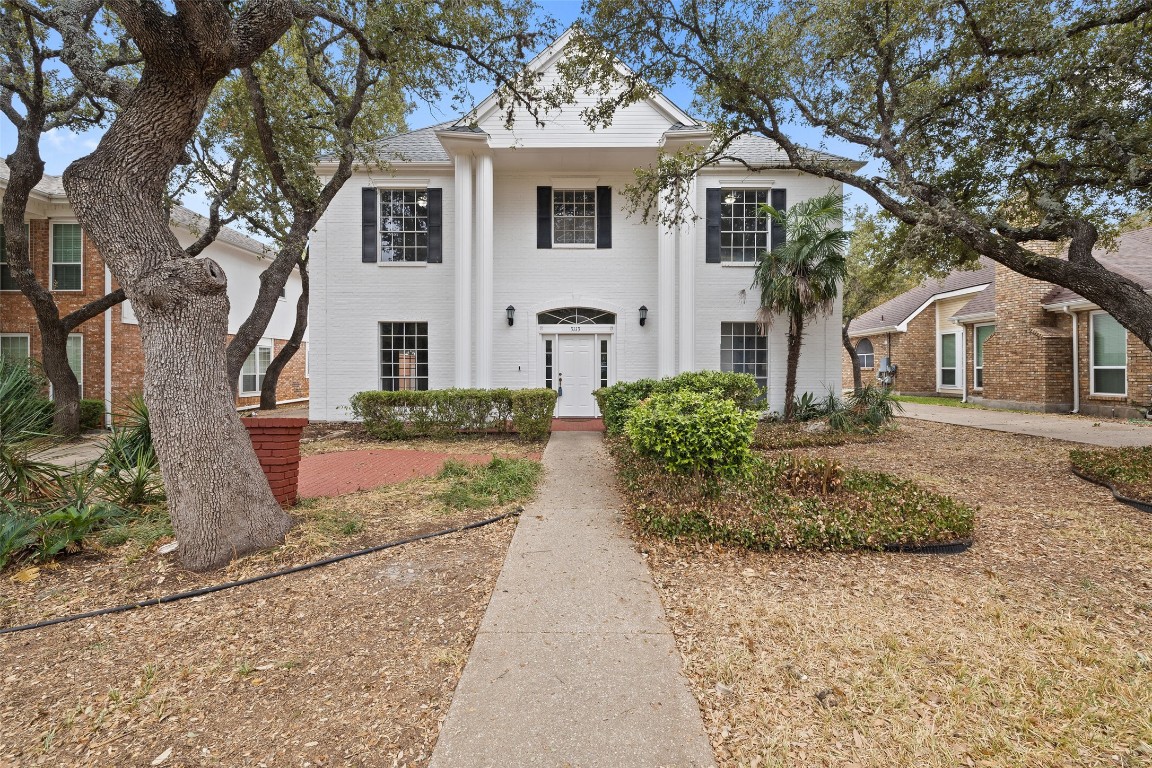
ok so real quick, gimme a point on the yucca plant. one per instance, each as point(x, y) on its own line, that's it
point(25, 417)
point(17, 532)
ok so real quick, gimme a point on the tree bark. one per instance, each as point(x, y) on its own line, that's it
point(795, 339)
point(857, 378)
point(218, 498)
point(272, 375)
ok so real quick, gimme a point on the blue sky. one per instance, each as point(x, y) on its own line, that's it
point(59, 147)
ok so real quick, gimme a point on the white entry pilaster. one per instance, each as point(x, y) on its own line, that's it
point(484, 250)
point(687, 261)
point(665, 295)
point(463, 346)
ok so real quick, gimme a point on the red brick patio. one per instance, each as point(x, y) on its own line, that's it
point(334, 474)
point(578, 425)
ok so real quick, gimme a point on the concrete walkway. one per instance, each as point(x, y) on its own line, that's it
point(574, 664)
point(1077, 429)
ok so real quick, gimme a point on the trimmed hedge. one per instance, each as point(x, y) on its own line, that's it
point(618, 400)
point(443, 412)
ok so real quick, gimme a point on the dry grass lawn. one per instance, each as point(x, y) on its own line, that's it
point(1032, 649)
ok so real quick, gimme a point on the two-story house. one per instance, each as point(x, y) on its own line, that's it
point(482, 255)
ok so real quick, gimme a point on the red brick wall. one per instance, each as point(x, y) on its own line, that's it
point(913, 351)
point(17, 316)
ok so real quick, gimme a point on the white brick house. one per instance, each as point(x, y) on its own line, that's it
point(489, 257)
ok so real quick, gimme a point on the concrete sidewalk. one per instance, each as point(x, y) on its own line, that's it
point(1076, 429)
point(574, 664)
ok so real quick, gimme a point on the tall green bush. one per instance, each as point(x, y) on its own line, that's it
point(443, 412)
point(692, 433)
point(619, 399)
point(91, 414)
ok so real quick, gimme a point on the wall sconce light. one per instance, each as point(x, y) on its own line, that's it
point(643, 314)
point(730, 198)
point(510, 313)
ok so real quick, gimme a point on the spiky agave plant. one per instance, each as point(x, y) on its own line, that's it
point(25, 418)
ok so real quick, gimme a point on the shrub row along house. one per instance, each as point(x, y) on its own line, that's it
point(994, 336)
point(105, 352)
point(487, 256)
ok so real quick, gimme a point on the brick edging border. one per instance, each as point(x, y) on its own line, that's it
point(1143, 506)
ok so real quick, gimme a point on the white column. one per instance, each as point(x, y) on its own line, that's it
point(463, 190)
point(687, 258)
point(484, 308)
point(665, 295)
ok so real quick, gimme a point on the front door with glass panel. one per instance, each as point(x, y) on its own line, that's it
point(576, 345)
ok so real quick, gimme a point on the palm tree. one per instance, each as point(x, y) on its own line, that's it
point(800, 278)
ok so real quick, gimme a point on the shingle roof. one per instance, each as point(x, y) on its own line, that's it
point(182, 217)
point(419, 146)
point(1131, 258)
point(984, 303)
point(760, 150)
point(895, 311)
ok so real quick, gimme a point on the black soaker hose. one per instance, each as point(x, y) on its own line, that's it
point(253, 579)
point(1143, 506)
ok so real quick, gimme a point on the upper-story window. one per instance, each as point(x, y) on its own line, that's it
point(574, 216)
point(744, 229)
point(67, 257)
point(403, 225)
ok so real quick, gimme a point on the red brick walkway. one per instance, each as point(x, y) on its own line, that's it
point(578, 425)
point(334, 474)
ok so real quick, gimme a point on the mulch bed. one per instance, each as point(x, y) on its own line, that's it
point(1031, 648)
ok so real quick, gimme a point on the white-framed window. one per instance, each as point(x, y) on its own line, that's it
point(67, 257)
point(744, 230)
point(403, 356)
point(252, 374)
point(743, 349)
point(949, 352)
point(574, 217)
point(15, 346)
point(981, 335)
point(403, 225)
point(75, 350)
point(1109, 355)
point(865, 353)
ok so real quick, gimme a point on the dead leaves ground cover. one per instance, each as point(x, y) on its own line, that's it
point(350, 664)
point(1031, 649)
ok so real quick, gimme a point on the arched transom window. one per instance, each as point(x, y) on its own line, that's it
point(576, 316)
point(865, 353)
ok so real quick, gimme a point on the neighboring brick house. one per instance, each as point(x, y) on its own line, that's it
point(105, 352)
point(1022, 343)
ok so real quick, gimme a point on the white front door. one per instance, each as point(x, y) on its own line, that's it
point(576, 376)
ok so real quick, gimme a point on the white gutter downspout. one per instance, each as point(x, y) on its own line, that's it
point(1075, 359)
point(963, 363)
point(107, 352)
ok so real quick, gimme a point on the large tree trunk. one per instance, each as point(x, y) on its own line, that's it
point(857, 378)
point(218, 498)
point(272, 375)
point(795, 339)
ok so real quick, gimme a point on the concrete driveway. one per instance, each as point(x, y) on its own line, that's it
point(1076, 429)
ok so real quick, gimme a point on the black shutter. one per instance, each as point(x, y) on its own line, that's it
point(712, 225)
point(603, 217)
point(780, 203)
point(370, 243)
point(435, 225)
point(543, 217)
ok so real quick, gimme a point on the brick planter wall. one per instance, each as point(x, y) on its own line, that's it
point(277, 444)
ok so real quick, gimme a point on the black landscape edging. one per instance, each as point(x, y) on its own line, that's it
point(1143, 506)
point(942, 548)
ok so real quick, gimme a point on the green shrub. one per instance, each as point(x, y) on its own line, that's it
point(91, 414)
point(692, 433)
point(617, 400)
point(443, 412)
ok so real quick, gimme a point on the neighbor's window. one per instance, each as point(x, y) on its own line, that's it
point(574, 217)
point(404, 225)
point(948, 359)
point(75, 351)
point(252, 374)
point(7, 282)
point(403, 356)
point(14, 346)
point(744, 350)
point(865, 353)
point(743, 229)
point(67, 257)
point(982, 334)
point(1109, 356)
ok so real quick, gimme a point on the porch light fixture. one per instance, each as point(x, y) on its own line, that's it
point(729, 198)
point(643, 314)
point(510, 313)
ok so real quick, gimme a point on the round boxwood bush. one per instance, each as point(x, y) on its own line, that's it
point(692, 433)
